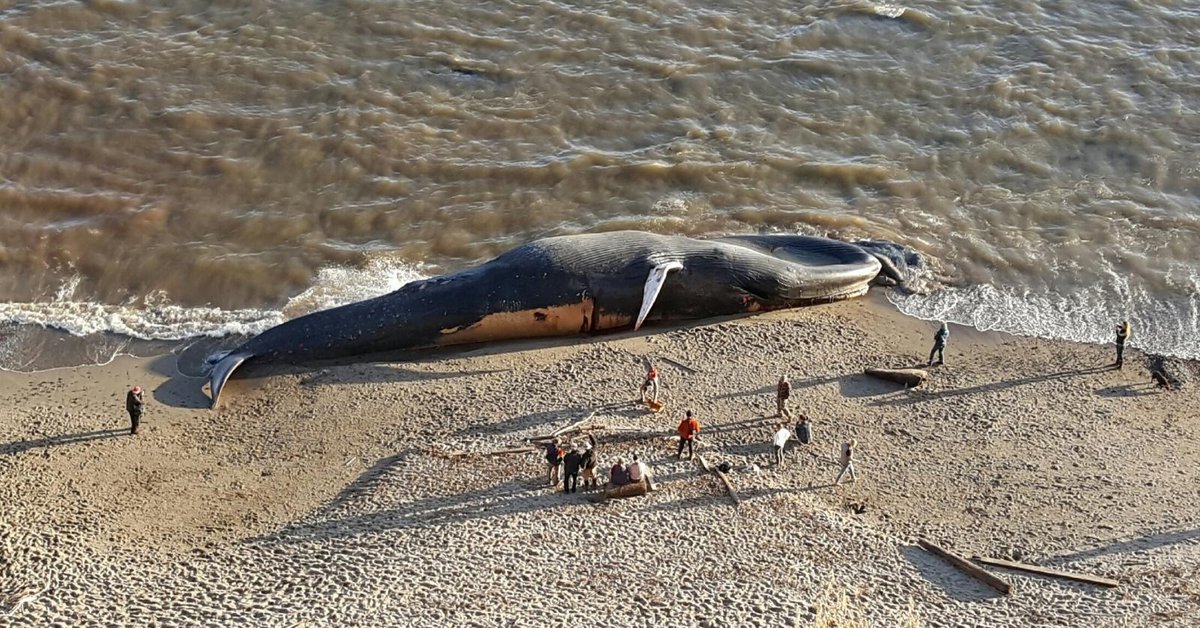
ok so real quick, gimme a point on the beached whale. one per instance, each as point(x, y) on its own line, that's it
point(574, 285)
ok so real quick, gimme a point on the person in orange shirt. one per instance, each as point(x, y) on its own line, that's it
point(689, 427)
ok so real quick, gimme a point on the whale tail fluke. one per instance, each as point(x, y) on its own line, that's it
point(221, 372)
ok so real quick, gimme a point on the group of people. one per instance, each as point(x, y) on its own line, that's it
point(575, 463)
point(636, 472)
point(803, 433)
point(579, 462)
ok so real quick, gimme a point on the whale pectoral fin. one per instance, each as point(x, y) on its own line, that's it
point(221, 372)
point(654, 284)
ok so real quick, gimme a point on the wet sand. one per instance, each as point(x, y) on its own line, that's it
point(327, 496)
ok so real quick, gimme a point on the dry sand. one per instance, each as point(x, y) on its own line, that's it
point(323, 497)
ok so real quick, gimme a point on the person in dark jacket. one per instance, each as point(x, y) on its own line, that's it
point(554, 457)
point(133, 404)
point(572, 462)
point(782, 392)
point(939, 344)
point(617, 476)
point(1123, 333)
point(589, 463)
point(804, 430)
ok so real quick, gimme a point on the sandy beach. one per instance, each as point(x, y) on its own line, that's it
point(339, 495)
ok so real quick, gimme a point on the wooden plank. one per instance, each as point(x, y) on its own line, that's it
point(503, 452)
point(679, 364)
point(586, 429)
point(968, 567)
point(562, 430)
point(577, 426)
point(1046, 571)
point(724, 480)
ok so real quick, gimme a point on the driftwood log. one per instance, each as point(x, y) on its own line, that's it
point(907, 377)
point(576, 427)
point(1046, 571)
point(632, 489)
point(724, 479)
point(968, 567)
point(690, 369)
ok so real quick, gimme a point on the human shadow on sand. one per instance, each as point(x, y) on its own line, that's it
point(955, 583)
point(913, 396)
point(518, 495)
point(770, 389)
point(766, 424)
point(547, 421)
point(850, 385)
point(504, 499)
point(1138, 544)
point(1128, 390)
point(13, 448)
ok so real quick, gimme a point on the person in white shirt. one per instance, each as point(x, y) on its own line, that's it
point(780, 442)
point(847, 461)
point(639, 471)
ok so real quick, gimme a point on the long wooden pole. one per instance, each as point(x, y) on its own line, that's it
point(1046, 571)
point(968, 567)
point(562, 430)
point(724, 480)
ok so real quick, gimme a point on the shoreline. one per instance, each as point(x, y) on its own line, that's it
point(1017, 448)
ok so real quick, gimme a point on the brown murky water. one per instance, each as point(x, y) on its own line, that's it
point(209, 167)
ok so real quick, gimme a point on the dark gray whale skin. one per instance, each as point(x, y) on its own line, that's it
point(572, 285)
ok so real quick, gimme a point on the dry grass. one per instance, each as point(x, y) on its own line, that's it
point(836, 609)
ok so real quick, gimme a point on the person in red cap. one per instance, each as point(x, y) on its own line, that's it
point(133, 403)
point(650, 386)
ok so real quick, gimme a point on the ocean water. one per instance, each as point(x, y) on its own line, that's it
point(209, 169)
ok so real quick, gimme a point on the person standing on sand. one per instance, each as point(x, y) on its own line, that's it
point(847, 461)
point(133, 404)
point(571, 465)
point(780, 442)
point(650, 386)
point(939, 344)
point(782, 392)
point(804, 430)
point(1123, 333)
point(589, 463)
point(689, 427)
point(554, 456)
